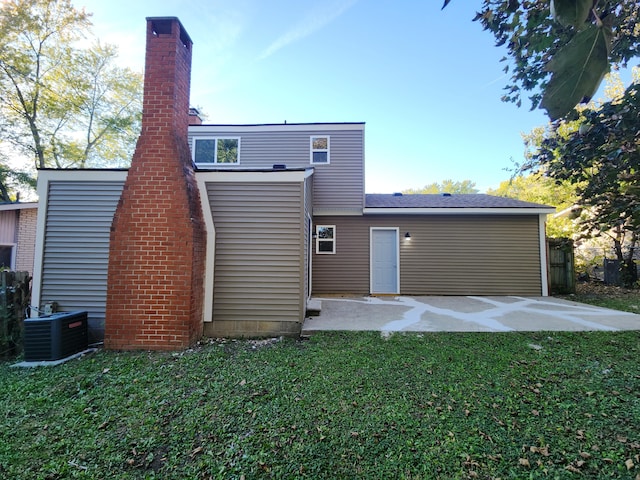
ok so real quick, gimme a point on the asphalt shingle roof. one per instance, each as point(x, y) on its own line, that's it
point(474, 200)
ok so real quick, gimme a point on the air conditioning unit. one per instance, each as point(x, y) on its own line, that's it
point(55, 336)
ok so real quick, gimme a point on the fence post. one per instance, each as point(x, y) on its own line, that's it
point(15, 297)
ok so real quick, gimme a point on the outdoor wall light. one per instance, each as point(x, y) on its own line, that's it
point(407, 236)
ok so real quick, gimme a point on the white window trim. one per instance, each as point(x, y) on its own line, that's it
point(318, 240)
point(312, 150)
point(215, 163)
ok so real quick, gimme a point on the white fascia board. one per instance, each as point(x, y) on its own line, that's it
point(458, 211)
point(285, 127)
point(46, 176)
point(219, 176)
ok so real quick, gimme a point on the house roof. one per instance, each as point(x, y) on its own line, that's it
point(276, 127)
point(278, 124)
point(17, 206)
point(475, 201)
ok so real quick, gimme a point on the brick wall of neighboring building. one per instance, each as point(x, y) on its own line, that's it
point(157, 246)
point(26, 241)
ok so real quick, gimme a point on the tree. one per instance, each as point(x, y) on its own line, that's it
point(537, 188)
point(447, 186)
point(11, 182)
point(598, 154)
point(61, 103)
point(561, 50)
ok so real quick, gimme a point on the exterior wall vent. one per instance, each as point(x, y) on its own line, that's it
point(56, 336)
point(279, 166)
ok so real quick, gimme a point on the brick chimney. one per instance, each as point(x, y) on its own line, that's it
point(194, 117)
point(156, 259)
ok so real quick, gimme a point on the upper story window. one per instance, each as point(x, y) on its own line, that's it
point(320, 150)
point(216, 151)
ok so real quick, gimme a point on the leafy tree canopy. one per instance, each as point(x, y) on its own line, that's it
point(559, 51)
point(598, 154)
point(447, 186)
point(63, 101)
point(538, 188)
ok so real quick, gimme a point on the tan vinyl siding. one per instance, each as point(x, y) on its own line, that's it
point(76, 247)
point(337, 186)
point(346, 271)
point(447, 255)
point(259, 256)
point(472, 255)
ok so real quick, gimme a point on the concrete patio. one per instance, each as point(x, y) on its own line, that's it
point(463, 314)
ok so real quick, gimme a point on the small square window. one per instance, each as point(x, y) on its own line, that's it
point(216, 151)
point(325, 239)
point(320, 150)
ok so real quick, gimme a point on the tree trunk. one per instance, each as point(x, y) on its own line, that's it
point(628, 270)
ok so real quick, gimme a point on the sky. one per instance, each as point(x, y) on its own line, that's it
point(427, 82)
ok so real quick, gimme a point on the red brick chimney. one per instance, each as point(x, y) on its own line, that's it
point(194, 117)
point(156, 259)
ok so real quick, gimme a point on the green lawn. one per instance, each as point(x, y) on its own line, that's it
point(340, 405)
point(617, 298)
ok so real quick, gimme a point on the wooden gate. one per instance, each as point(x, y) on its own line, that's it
point(562, 276)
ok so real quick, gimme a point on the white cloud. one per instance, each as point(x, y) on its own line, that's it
point(315, 20)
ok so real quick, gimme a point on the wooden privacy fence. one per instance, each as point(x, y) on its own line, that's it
point(562, 275)
point(15, 297)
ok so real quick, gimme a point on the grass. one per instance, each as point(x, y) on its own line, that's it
point(608, 296)
point(340, 405)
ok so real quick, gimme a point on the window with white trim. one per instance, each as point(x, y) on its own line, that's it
point(216, 151)
point(325, 239)
point(320, 150)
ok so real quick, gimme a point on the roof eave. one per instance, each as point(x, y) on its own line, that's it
point(276, 127)
point(458, 211)
point(18, 206)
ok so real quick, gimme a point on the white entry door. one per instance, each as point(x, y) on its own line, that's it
point(385, 260)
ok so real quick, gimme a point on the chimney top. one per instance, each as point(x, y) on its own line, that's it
point(194, 117)
point(162, 26)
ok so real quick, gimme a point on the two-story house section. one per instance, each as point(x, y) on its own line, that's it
point(335, 152)
point(287, 218)
point(262, 186)
point(239, 225)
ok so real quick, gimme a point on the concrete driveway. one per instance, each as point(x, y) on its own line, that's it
point(464, 314)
